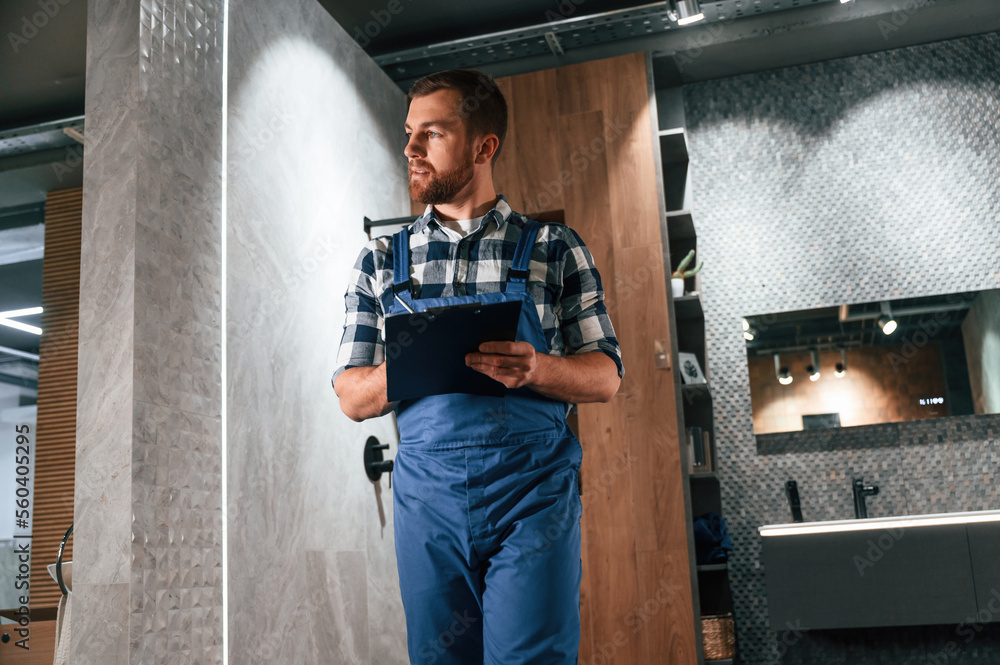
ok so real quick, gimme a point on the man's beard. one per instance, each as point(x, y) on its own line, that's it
point(440, 188)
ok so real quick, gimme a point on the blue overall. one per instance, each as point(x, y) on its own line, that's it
point(486, 509)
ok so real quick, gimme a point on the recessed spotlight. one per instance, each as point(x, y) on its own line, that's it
point(688, 12)
point(784, 378)
point(886, 322)
point(813, 368)
point(841, 369)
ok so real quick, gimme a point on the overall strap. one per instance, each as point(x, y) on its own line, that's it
point(401, 261)
point(517, 276)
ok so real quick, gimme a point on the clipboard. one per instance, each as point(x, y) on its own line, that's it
point(425, 351)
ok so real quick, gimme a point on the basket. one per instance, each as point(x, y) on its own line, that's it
point(717, 636)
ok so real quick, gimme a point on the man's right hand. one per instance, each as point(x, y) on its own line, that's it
point(362, 392)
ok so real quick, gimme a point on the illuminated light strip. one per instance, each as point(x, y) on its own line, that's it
point(20, 326)
point(14, 313)
point(223, 406)
point(881, 523)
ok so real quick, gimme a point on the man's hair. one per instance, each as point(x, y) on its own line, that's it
point(481, 105)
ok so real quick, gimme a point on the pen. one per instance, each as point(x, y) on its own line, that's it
point(403, 303)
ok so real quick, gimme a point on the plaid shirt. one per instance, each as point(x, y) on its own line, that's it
point(562, 281)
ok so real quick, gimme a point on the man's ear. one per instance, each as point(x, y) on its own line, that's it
point(487, 147)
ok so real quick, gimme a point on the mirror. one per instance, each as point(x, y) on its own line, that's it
point(876, 362)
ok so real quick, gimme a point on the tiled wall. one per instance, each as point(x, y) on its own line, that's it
point(852, 180)
point(315, 145)
point(148, 517)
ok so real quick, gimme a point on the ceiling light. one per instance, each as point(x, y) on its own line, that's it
point(841, 369)
point(886, 322)
point(746, 325)
point(20, 326)
point(784, 378)
point(6, 319)
point(748, 335)
point(688, 12)
point(887, 325)
point(14, 313)
point(813, 368)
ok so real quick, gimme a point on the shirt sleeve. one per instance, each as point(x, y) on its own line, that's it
point(361, 344)
point(584, 320)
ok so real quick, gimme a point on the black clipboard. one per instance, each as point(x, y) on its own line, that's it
point(425, 351)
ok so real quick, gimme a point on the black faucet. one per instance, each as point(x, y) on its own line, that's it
point(792, 492)
point(860, 492)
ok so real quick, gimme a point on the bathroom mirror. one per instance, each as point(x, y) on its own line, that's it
point(876, 362)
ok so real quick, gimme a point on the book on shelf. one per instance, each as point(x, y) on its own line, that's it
point(699, 444)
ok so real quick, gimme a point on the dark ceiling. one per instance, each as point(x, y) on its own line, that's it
point(42, 57)
point(41, 69)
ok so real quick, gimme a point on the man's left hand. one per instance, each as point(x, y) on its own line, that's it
point(513, 364)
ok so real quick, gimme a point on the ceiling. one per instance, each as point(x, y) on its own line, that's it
point(43, 64)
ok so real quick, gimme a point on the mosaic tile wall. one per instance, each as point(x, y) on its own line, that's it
point(851, 180)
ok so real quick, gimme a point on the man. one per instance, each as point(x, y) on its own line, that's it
point(486, 501)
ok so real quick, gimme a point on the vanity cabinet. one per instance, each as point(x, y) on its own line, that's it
point(889, 572)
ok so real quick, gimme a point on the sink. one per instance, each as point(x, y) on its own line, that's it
point(67, 571)
point(873, 523)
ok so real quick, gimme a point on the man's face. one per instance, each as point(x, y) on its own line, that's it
point(439, 152)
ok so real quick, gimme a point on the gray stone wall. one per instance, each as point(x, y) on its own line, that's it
point(315, 144)
point(148, 514)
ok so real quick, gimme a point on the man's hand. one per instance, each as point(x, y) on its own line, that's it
point(588, 377)
point(511, 363)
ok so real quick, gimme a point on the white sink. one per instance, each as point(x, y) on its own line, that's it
point(67, 571)
point(906, 521)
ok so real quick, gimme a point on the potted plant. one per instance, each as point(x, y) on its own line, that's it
point(677, 277)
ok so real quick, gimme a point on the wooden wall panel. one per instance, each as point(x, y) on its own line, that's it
point(636, 598)
point(55, 451)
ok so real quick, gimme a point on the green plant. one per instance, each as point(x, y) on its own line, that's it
point(681, 273)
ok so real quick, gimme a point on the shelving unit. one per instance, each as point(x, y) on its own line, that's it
point(687, 320)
